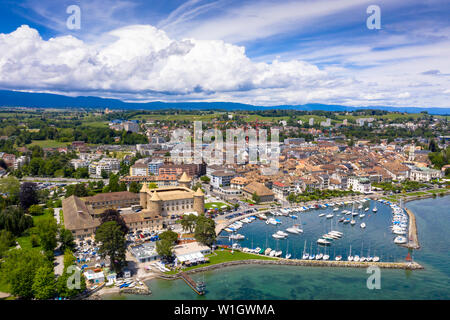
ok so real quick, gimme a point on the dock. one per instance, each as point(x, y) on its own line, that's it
point(191, 283)
point(413, 238)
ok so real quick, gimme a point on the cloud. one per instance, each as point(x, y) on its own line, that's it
point(142, 63)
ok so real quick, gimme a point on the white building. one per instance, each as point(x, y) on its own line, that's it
point(424, 174)
point(359, 184)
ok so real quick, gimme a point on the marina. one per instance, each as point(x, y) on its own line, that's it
point(342, 279)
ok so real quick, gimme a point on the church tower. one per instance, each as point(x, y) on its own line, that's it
point(184, 181)
point(199, 201)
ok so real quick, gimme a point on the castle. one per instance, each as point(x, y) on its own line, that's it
point(170, 201)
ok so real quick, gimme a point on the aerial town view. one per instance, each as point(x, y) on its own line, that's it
point(224, 150)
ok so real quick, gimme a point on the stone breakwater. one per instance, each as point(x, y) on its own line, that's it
point(305, 263)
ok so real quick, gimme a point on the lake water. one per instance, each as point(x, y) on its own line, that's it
point(295, 282)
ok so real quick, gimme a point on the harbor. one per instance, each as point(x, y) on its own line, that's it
point(353, 230)
point(284, 279)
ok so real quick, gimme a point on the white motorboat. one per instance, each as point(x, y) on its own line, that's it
point(363, 225)
point(366, 209)
point(272, 253)
point(323, 242)
point(321, 215)
point(267, 251)
point(352, 222)
point(338, 258)
point(336, 209)
point(329, 216)
point(376, 259)
point(282, 233)
point(278, 236)
point(400, 240)
point(325, 257)
point(375, 209)
point(362, 215)
point(236, 237)
point(294, 230)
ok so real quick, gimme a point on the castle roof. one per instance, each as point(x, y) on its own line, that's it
point(184, 177)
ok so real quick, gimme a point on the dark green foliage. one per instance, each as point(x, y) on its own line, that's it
point(113, 244)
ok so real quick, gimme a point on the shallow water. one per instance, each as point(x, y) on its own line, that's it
point(294, 282)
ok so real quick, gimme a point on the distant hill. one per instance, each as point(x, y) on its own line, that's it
point(47, 100)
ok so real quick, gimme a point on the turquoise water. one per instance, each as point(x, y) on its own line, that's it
point(293, 282)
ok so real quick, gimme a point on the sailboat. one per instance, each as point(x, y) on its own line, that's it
point(311, 256)
point(288, 255)
point(350, 257)
point(325, 255)
point(305, 255)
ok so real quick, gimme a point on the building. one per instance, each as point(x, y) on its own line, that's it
point(425, 174)
point(139, 169)
point(20, 161)
point(221, 178)
point(280, 189)
point(170, 201)
point(192, 252)
point(153, 167)
point(238, 183)
point(131, 126)
point(145, 252)
point(264, 193)
point(359, 184)
point(112, 200)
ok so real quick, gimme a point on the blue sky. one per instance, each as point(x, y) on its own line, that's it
point(260, 52)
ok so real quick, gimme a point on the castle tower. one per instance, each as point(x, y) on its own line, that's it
point(155, 203)
point(184, 181)
point(199, 201)
point(143, 196)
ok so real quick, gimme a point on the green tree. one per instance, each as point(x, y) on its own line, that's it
point(47, 230)
point(6, 240)
point(152, 185)
point(205, 230)
point(164, 248)
point(169, 235)
point(256, 198)
point(113, 244)
point(188, 222)
point(10, 185)
point(28, 195)
point(19, 269)
point(205, 179)
point(14, 220)
point(135, 187)
point(36, 210)
point(114, 215)
point(66, 239)
point(44, 284)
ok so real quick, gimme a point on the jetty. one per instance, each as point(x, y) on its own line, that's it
point(191, 283)
point(413, 238)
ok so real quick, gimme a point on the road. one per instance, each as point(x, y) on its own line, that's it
point(58, 180)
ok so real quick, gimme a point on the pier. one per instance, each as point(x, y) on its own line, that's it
point(313, 263)
point(191, 283)
point(413, 238)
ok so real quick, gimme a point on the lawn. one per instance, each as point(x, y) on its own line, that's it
point(25, 240)
point(218, 205)
point(225, 255)
point(48, 144)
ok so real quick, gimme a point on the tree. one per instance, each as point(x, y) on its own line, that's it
point(256, 198)
point(28, 195)
point(35, 210)
point(47, 230)
point(164, 248)
point(6, 240)
point(114, 183)
point(19, 269)
point(188, 222)
point(44, 285)
point(11, 186)
point(114, 215)
point(152, 185)
point(169, 235)
point(113, 244)
point(205, 230)
point(104, 174)
point(66, 239)
point(78, 190)
point(135, 187)
point(62, 287)
point(205, 179)
point(14, 220)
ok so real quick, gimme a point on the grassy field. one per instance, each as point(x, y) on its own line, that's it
point(48, 144)
point(218, 205)
point(25, 240)
point(177, 117)
point(225, 255)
